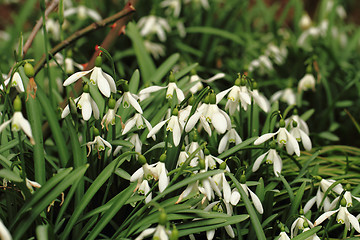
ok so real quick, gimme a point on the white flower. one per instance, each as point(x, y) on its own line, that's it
point(163, 177)
point(198, 81)
point(159, 232)
point(260, 100)
point(301, 136)
point(16, 82)
point(144, 189)
point(283, 236)
point(109, 118)
point(305, 21)
point(18, 122)
point(53, 27)
point(301, 123)
point(4, 232)
point(230, 137)
point(100, 144)
point(223, 184)
point(348, 197)
point(171, 87)
point(31, 185)
point(287, 95)
point(145, 171)
point(83, 12)
point(104, 81)
point(156, 49)
point(283, 137)
point(306, 83)
point(182, 158)
point(137, 120)
point(173, 125)
point(343, 217)
point(87, 106)
point(277, 53)
point(272, 157)
point(299, 224)
point(263, 64)
point(173, 6)
point(135, 140)
point(128, 99)
point(153, 24)
point(312, 237)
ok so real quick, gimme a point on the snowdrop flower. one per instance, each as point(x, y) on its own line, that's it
point(135, 140)
point(31, 185)
point(312, 237)
point(271, 157)
point(162, 173)
point(16, 82)
point(343, 217)
point(53, 27)
point(301, 123)
point(313, 32)
point(82, 13)
point(262, 64)
point(347, 196)
point(277, 53)
point(237, 94)
point(160, 232)
point(4, 232)
point(198, 81)
point(301, 136)
point(230, 137)
point(306, 83)
point(287, 95)
point(104, 81)
point(210, 161)
point(305, 22)
point(153, 24)
point(183, 156)
point(137, 120)
point(224, 186)
point(109, 117)
point(283, 137)
point(173, 125)
point(173, 6)
point(299, 223)
point(203, 3)
point(323, 186)
point(210, 114)
point(171, 87)
point(70, 64)
point(18, 122)
point(99, 143)
point(128, 99)
point(86, 104)
point(283, 236)
point(259, 99)
point(144, 189)
point(156, 49)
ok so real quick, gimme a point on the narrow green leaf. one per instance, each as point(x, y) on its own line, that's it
point(10, 175)
point(288, 188)
point(164, 68)
point(237, 148)
point(134, 81)
point(307, 234)
point(217, 32)
point(297, 200)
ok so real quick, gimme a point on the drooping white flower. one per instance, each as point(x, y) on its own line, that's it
point(306, 83)
point(171, 87)
point(160, 232)
point(173, 125)
point(283, 138)
point(109, 117)
point(156, 49)
point(154, 25)
point(287, 95)
point(198, 81)
point(104, 81)
point(135, 140)
point(162, 173)
point(301, 136)
point(137, 120)
point(86, 104)
point(298, 224)
point(262, 64)
point(4, 232)
point(283, 236)
point(144, 189)
point(99, 143)
point(300, 122)
point(271, 157)
point(18, 122)
point(343, 217)
point(172, 7)
point(53, 28)
point(16, 82)
point(128, 99)
point(277, 53)
point(230, 137)
point(260, 100)
point(82, 13)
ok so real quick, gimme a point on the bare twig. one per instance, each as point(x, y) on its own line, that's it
point(128, 9)
point(38, 25)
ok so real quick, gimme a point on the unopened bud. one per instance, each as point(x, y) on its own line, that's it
point(111, 103)
point(202, 163)
point(162, 158)
point(98, 61)
point(243, 179)
point(282, 123)
point(96, 132)
point(162, 218)
point(29, 70)
point(17, 104)
point(171, 77)
point(142, 159)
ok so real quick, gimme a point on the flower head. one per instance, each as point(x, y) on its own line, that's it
point(16, 82)
point(154, 25)
point(99, 143)
point(306, 83)
point(271, 157)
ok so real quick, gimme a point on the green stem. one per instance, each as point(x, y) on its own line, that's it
point(22, 160)
point(345, 232)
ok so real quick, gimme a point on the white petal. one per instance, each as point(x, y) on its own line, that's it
point(95, 109)
point(192, 121)
point(264, 138)
point(137, 174)
point(277, 164)
point(74, 77)
point(215, 77)
point(25, 126)
point(354, 222)
point(206, 125)
point(163, 181)
point(256, 201)
point(324, 216)
point(4, 232)
point(226, 190)
point(129, 125)
point(151, 89)
point(258, 162)
point(145, 233)
point(305, 140)
point(134, 103)
point(111, 82)
point(179, 94)
point(223, 142)
point(219, 122)
point(176, 133)
point(19, 83)
point(103, 84)
point(222, 94)
point(309, 204)
point(210, 234)
point(156, 128)
point(4, 125)
point(235, 197)
point(293, 144)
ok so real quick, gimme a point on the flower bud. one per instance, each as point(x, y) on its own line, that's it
point(29, 70)
point(171, 77)
point(86, 88)
point(343, 202)
point(98, 61)
point(222, 166)
point(142, 159)
point(206, 152)
point(175, 112)
point(111, 103)
point(162, 158)
point(96, 132)
point(17, 104)
point(162, 218)
point(212, 98)
point(238, 81)
point(282, 123)
point(243, 179)
point(174, 233)
point(347, 187)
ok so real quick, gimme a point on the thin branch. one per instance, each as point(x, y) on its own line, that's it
point(38, 25)
point(128, 9)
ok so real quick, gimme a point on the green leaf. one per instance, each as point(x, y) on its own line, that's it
point(134, 81)
point(164, 68)
point(10, 175)
point(307, 234)
point(237, 148)
point(119, 142)
point(217, 32)
point(329, 136)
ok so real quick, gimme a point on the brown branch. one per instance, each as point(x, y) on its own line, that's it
point(128, 9)
point(38, 25)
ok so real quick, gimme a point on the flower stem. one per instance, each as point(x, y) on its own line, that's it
point(22, 160)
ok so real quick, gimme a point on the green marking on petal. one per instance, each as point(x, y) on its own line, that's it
point(15, 127)
point(126, 104)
